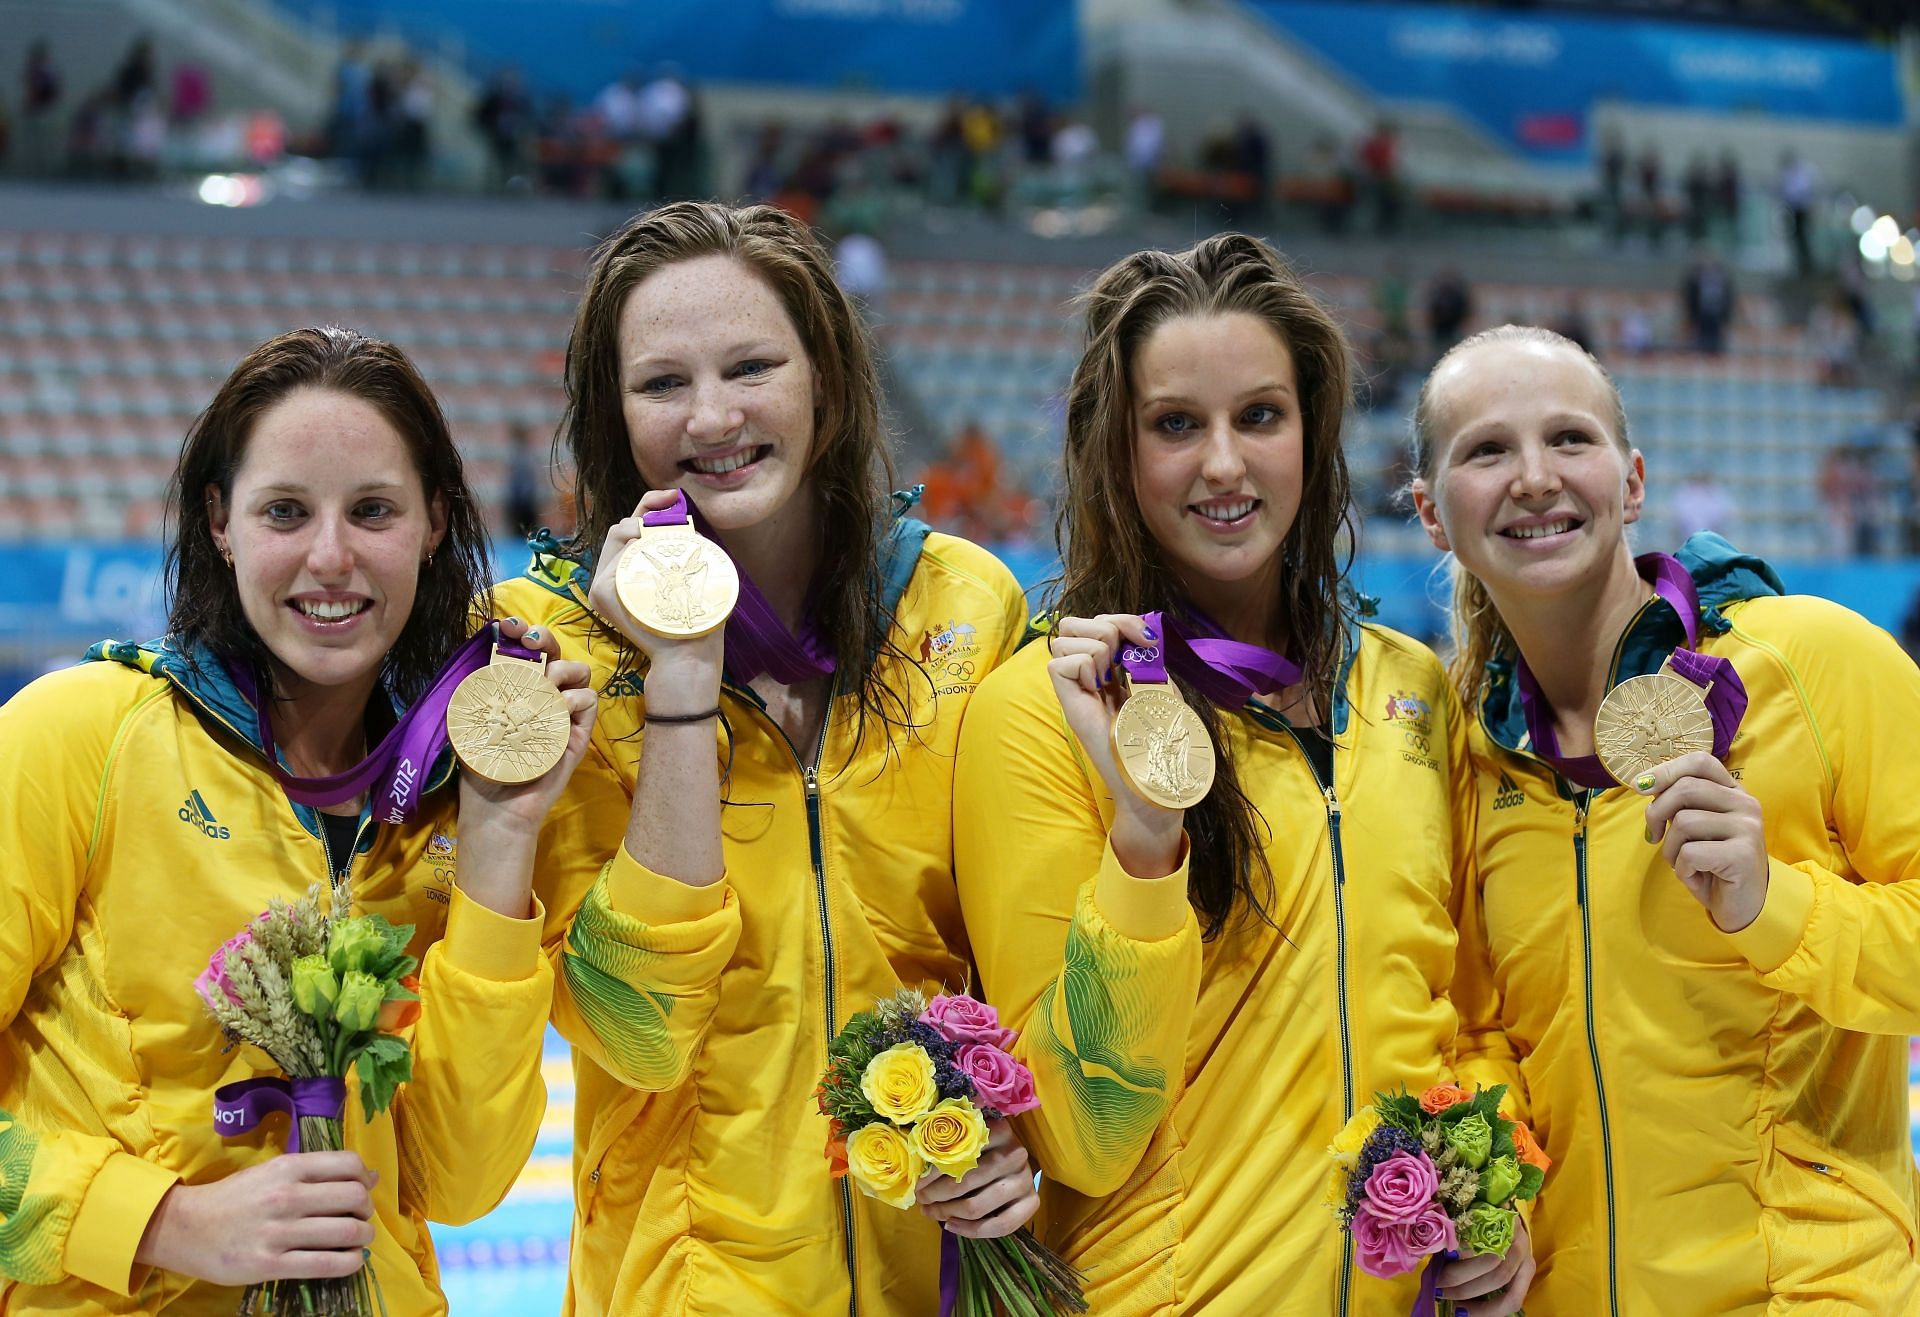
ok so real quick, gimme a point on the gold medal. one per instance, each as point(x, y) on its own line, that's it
point(1646, 721)
point(676, 582)
point(1162, 746)
point(507, 722)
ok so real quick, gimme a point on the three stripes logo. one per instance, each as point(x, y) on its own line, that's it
point(194, 810)
point(1507, 795)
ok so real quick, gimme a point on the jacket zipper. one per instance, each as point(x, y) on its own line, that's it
point(816, 849)
point(1340, 979)
point(1593, 1043)
point(1346, 1042)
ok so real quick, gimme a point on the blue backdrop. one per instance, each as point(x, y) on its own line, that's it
point(1532, 81)
point(579, 46)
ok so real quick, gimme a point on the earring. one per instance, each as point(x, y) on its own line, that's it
point(227, 554)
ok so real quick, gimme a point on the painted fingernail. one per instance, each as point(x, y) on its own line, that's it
point(533, 633)
point(1151, 634)
point(513, 621)
point(1643, 783)
point(1653, 835)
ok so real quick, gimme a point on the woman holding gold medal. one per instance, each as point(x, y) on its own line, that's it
point(760, 843)
point(154, 799)
point(1698, 891)
point(1207, 835)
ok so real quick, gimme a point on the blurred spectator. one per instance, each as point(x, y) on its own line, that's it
point(1847, 488)
point(1254, 155)
point(523, 482)
point(1146, 144)
point(1332, 187)
point(860, 262)
point(1799, 194)
point(192, 94)
point(1037, 129)
point(1636, 332)
point(504, 116)
point(1613, 184)
point(352, 130)
point(39, 112)
point(1835, 335)
point(1653, 204)
point(669, 117)
point(969, 494)
point(1449, 308)
point(1573, 324)
point(1380, 174)
point(1701, 503)
point(1697, 184)
point(1727, 200)
point(413, 126)
point(1707, 299)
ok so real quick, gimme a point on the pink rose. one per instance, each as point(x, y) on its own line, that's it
point(213, 979)
point(964, 1020)
point(1381, 1246)
point(1402, 1186)
point(999, 1081)
point(1432, 1232)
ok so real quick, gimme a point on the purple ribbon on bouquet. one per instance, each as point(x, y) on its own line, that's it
point(1426, 1302)
point(1227, 672)
point(1726, 693)
point(239, 1108)
point(949, 1273)
point(757, 640)
point(394, 768)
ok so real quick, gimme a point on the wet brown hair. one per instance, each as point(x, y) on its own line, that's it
point(851, 467)
point(1479, 634)
point(203, 598)
point(1111, 562)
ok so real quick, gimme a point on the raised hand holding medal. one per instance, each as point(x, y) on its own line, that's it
point(671, 579)
point(1160, 745)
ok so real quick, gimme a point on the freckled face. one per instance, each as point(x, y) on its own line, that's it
point(718, 391)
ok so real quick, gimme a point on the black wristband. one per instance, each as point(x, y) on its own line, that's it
point(653, 717)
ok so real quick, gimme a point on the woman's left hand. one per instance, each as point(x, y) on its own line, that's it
point(1477, 1278)
point(1710, 829)
point(995, 1198)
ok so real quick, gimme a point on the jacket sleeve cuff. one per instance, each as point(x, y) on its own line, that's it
point(639, 893)
point(112, 1220)
point(489, 945)
point(1143, 909)
point(1776, 933)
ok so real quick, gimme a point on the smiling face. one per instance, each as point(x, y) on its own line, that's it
point(718, 391)
point(1219, 450)
point(1530, 487)
point(327, 523)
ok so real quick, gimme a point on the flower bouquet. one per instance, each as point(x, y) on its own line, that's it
point(910, 1087)
point(1432, 1176)
point(320, 993)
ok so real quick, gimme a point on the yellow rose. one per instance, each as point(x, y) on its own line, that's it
point(883, 1163)
point(1337, 1184)
point(1348, 1142)
point(950, 1137)
point(899, 1083)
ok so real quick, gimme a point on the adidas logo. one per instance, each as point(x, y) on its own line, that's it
point(194, 810)
point(1508, 795)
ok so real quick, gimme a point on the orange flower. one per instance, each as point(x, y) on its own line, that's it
point(1441, 1096)
point(1529, 1151)
point(397, 1015)
point(836, 1150)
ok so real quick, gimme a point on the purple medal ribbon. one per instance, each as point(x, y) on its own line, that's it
point(757, 640)
point(1227, 672)
point(1726, 696)
point(406, 752)
point(238, 1108)
point(1426, 1303)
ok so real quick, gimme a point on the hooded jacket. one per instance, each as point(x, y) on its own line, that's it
point(139, 830)
point(700, 1017)
point(1189, 1090)
point(1727, 1113)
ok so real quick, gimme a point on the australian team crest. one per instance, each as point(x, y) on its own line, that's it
point(950, 651)
point(1410, 711)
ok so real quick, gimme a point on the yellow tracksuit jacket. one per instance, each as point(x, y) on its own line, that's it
point(140, 829)
point(1727, 1114)
point(700, 1017)
point(1189, 1089)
